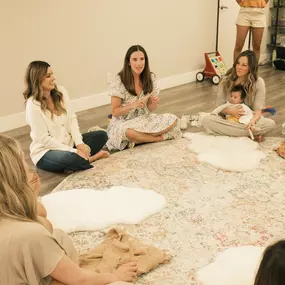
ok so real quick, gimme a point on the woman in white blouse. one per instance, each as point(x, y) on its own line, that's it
point(57, 144)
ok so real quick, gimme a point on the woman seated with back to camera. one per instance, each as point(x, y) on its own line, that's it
point(31, 251)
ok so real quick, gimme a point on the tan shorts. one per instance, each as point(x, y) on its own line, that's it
point(251, 17)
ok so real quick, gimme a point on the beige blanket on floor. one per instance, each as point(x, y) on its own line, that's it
point(119, 248)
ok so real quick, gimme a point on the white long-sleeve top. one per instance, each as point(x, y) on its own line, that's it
point(47, 133)
point(245, 119)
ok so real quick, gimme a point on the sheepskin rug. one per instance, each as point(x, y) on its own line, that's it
point(92, 209)
point(228, 153)
point(234, 266)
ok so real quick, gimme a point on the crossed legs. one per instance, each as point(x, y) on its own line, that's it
point(138, 137)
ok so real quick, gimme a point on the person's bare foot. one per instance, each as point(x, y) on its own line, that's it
point(258, 139)
point(99, 155)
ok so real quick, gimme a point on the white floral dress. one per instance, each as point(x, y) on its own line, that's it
point(140, 120)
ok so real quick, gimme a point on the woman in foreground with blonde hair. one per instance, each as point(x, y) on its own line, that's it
point(29, 253)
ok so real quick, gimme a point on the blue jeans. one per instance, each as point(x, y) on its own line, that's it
point(59, 161)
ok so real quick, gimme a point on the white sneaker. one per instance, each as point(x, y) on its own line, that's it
point(183, 122)
point(187, 116)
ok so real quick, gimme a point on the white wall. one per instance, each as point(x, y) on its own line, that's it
point(83, 40)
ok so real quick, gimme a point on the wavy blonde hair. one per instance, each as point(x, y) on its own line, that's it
point(34, 76)
point(231, 77)
point(17, 200)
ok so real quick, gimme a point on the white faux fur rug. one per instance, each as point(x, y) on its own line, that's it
point(234, 266)
point(228, 153)
point(92, 209)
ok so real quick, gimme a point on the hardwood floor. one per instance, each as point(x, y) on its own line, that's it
point(191, 98)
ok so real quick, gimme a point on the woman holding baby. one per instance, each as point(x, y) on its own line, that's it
point(244, 72)
point(134, 97)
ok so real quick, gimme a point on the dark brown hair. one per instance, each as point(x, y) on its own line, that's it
point(34, 76)
point(239, 88)
point(272, 267)
point(127, 76)
point(252, 77)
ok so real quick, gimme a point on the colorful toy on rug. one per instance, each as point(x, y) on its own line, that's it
point(270, 110)
point(281, 150)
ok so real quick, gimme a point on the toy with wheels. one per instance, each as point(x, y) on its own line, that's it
point(214, 69)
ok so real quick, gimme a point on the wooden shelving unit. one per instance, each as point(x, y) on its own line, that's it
point(277, 28)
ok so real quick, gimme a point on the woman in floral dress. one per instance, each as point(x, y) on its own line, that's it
point(134, 97)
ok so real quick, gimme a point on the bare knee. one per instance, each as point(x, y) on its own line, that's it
point(130, 134)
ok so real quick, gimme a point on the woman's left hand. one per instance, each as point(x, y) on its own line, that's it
point(84, 148)
point(153, 102)
point(251, 125)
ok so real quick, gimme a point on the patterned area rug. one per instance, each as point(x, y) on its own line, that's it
point(208, 209)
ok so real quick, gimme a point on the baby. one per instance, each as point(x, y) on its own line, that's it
point(237, 97)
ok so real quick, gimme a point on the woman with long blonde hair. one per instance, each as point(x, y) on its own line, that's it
point(244, 72)
point(57, 144)
point(29, 253)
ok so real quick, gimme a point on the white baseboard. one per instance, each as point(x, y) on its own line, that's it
point(18, 120)
point(177, 80)
point(12, 121)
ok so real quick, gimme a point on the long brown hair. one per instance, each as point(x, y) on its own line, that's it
point(127, 76)
point(17, 200)
point(230, 80)
point(272, 267)
point(35, 74)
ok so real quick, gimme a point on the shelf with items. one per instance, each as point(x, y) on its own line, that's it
point(277, 46)
point(278, 4)
point(276, 29)
point(277, 24)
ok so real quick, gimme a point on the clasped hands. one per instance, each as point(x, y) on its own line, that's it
point(83, 150)
point(142, 102)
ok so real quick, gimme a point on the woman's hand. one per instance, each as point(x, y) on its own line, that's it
point(236, 112)
point(139, 104)
point(251, 125)
point(84, 148)
point(153, 102)
point(127, 272)
point(82, 154)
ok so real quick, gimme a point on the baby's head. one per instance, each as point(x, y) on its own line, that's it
point(272, 267)
point(237, 95)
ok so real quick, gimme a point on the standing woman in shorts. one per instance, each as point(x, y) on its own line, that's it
point(251, 15)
